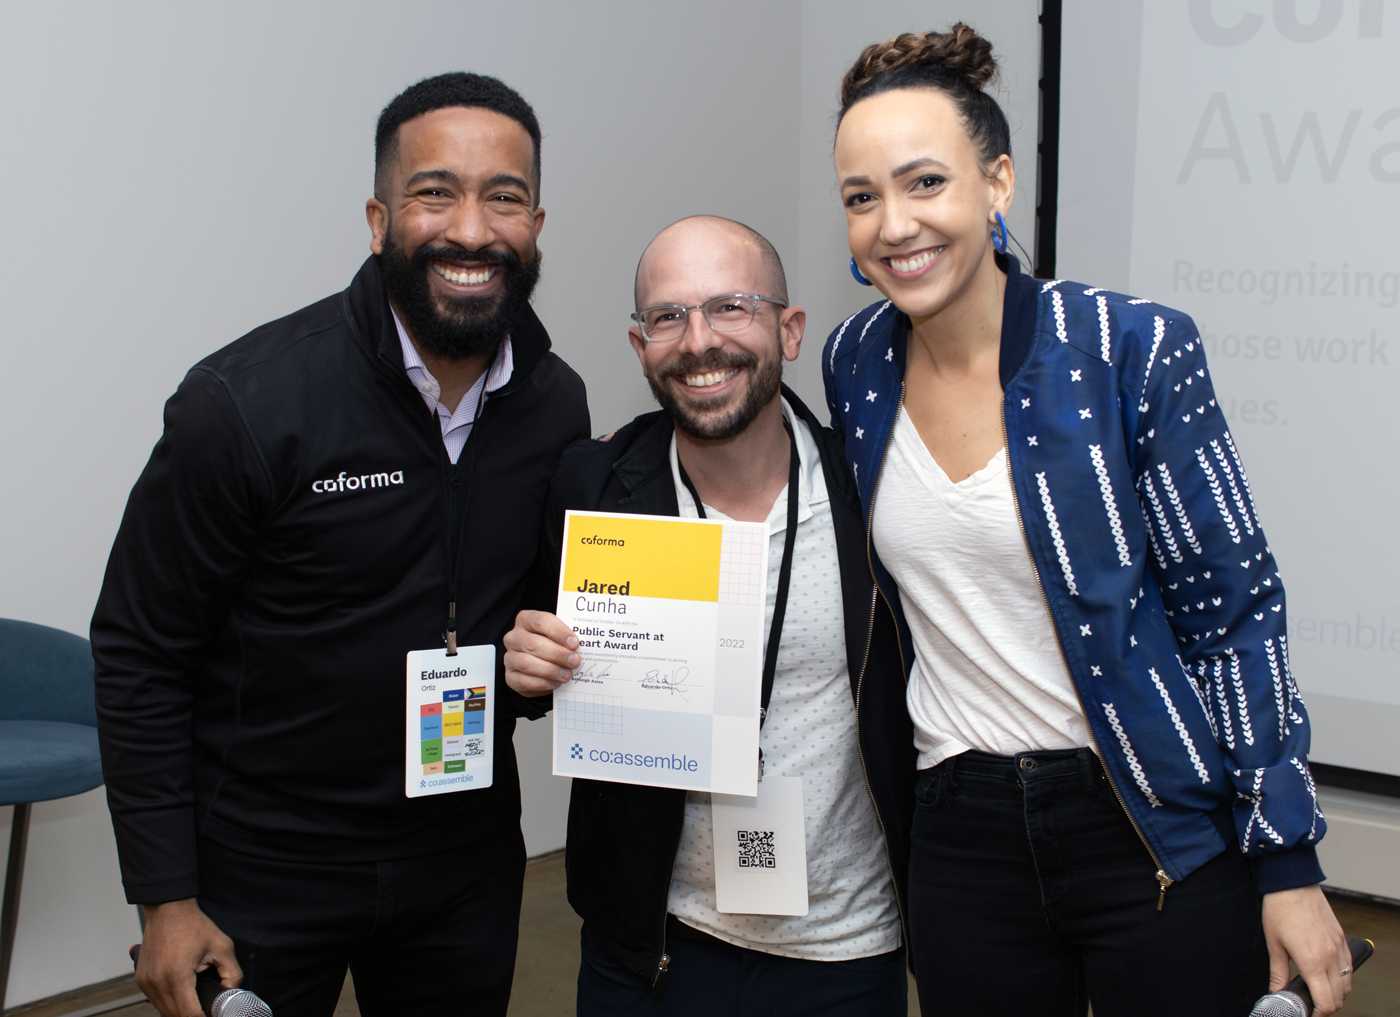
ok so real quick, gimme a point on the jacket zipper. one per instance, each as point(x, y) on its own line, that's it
point(877, 594)
point(1164, 881)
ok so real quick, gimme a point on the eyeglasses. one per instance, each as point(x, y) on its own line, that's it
point(727, 313)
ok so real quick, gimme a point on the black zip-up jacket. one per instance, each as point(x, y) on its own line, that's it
point(289, 541)
point(622, 837)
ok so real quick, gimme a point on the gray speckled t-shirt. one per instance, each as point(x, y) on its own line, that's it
point(810, 733)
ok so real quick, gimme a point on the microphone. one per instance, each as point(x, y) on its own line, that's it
point(215, 1000)
point(1294, 999)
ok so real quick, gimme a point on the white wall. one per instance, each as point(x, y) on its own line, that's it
point(179, 173)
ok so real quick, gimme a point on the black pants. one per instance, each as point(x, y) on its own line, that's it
point(434, 934)
point(1030, 892)
point(710, 978)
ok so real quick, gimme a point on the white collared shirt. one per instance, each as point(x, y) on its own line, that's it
point(810, 733)
point(456, 424)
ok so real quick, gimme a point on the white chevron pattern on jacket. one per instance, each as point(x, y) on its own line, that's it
point(1226, 726)
point(1110, 506)
point(1237, 682)
point(1279, 691)
point(1244, 477)
point(1218, 494)
point(1053, 522)
point(1234, 490)
point(1174, 498)
point(1202, 690)
point(1135, 767)
point(1302, 768)
point(1105, 333)
point(1163, 526)
point(1181, 731)
point(1152, 537)
point(1293, 694)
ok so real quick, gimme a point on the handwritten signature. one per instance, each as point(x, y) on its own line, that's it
point(594, 669)
point(672, 682)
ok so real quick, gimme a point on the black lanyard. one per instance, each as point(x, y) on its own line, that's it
point(775, 628)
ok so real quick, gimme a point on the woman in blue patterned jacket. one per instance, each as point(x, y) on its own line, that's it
point(1114, 802)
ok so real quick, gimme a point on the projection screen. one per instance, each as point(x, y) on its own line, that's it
point(1240, 160)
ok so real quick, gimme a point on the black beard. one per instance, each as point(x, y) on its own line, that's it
point(763, 387)
point(468, 326)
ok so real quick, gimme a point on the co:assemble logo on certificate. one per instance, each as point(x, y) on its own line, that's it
point(648, 761)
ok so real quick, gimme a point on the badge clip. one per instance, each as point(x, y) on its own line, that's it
point(450, 636)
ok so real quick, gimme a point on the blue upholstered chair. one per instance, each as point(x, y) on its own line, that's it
point(48, 740)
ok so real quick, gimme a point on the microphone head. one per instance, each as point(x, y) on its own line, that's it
point(239, 1003)
point(1280, 1004)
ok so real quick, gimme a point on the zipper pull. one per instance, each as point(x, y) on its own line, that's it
point(1164, 881)
point(450, 636)
point(663, 965)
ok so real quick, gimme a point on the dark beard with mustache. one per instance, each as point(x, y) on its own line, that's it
point(763, 387)
point(467, 326)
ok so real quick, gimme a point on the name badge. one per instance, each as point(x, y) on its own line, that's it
point(449, 721)
point(761, 850)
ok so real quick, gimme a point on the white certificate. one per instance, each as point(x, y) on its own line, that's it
point(669, 616)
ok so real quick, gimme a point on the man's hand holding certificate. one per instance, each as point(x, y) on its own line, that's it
point(668, 615)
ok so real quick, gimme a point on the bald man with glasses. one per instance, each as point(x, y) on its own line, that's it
point(712, 328)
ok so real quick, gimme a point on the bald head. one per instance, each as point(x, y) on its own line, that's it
point(728, 248)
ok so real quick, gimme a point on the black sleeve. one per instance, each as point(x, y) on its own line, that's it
point(182, 547)
point(546, 578)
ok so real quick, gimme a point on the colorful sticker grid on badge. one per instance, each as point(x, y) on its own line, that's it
point(449, 730)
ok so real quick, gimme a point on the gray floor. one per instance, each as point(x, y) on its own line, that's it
point(548, 959)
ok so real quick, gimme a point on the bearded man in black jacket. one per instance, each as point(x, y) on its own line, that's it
point(713, 326)
point(360, 479)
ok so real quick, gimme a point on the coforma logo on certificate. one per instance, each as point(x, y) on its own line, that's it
point(669, 616)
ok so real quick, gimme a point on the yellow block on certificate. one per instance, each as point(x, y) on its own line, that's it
point(642, 557)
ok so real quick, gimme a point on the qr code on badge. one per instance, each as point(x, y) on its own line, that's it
point(756, 850)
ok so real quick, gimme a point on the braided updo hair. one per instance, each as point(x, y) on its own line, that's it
point(958, 63)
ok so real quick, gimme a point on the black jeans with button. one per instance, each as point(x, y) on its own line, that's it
point(432, 935)
point(708, 977)
point(1031, 892)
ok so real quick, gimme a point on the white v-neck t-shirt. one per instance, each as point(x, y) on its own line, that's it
point(988, 671)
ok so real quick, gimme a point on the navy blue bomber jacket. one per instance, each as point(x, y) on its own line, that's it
point(1140, 523)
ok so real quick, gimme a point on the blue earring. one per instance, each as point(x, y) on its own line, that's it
point(999, 235)
point(855, 274)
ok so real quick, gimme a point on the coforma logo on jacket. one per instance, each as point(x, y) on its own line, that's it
point(358, 482)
